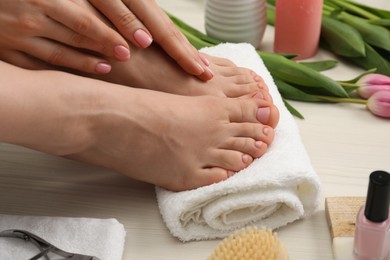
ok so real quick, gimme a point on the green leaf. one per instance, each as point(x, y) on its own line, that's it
point(373, 34)
point(379, 12)
point(290, 92)
point(373, 60)
point(298, 74)
point(320, 65)
point(342, 38)
point(192, 31)
point(292, 110)
point(380, 22)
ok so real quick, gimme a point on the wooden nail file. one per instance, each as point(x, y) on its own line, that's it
point(341, 216)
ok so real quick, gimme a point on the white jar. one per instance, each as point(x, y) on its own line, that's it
point(236, 20)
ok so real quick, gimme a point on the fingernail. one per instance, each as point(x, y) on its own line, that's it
point(204, 59)
point(263, 114)
point(142, 38)
point(103, 68)
point(200, 68)
point(121, 52)
point(210, 71)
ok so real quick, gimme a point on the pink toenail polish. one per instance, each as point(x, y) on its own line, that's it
point(204, 59)
point(121, 52)
point(103, 68)
point(142, 38)
point(259, 95)
point(266, 130)
point(257, 78)
point(246, 158)
point(263, 114)
point(258, 144)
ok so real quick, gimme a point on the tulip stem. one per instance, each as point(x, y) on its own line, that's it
point(343, 100)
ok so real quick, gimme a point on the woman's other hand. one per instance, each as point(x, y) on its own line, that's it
point(38, 33)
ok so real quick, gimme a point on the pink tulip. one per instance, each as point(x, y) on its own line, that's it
point(372, 83)
point(379, 104)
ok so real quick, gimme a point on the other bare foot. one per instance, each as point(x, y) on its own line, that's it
point(152, 69)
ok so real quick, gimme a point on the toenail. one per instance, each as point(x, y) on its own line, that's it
point(257, 78)
point(258, 144)
point(263, 114)
point(266, 130)
point(246, 158)
point(259, 95)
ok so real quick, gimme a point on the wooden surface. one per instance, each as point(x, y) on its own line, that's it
point(341, 214)
point(345, 143)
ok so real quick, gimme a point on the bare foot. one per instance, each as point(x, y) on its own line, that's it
point(177, 142)
point(152, 69)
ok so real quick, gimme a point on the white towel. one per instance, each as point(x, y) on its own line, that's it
point(276, 189)
point(103, 238)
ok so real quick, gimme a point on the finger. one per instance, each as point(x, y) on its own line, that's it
point(84, 22)
point(168, 36)
point(125, 21)
point(58, 32)
point(23, 60)
point(61, 55)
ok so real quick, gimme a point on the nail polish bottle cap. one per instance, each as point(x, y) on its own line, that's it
point(378, 197)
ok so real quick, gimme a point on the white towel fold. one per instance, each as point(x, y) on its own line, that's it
point(103, 238)
point(276, 189)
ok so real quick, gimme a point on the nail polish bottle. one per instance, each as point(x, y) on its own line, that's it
point(372, 232)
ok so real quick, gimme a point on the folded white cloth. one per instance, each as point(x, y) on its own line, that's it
point(276, 189)
point(103, 238)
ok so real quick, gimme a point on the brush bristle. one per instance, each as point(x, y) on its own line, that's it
point(250, 243)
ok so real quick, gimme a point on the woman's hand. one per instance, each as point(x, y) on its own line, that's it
point(142, 21)
point(32, 31)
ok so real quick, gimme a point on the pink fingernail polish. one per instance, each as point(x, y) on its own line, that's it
point(372, 232)
point(204, 59)
point(263, 114)
point(103, 68)
point(142, 38)
point(121, 52)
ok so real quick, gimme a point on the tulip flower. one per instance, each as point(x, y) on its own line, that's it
point(372, 83)
point(379, 104)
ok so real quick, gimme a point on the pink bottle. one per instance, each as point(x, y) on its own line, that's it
point(372, 232)
point(298, 27)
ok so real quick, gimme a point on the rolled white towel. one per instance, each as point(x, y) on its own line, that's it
point(276, 189)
